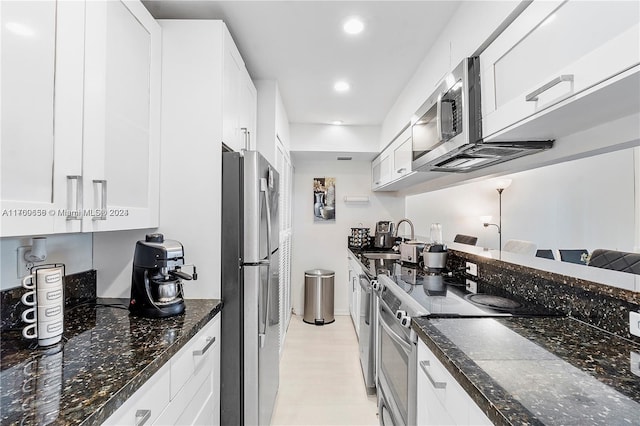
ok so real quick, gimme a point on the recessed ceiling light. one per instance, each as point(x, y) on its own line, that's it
point(353, 26)
point(337, 122)
point(341, 86)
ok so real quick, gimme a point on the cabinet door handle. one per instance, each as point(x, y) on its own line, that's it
point(103, 200)
point(142, 416)
point(210, 341)
point(245, 131)
point(401, 170)
point(75, 212)
point(437, 385)
point(533, 96)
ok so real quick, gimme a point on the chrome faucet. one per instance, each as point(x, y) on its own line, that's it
point(410, 225)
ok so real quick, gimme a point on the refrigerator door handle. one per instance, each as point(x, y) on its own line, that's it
point(264, 188)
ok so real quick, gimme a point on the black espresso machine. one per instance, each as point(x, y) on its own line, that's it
point(156, 284)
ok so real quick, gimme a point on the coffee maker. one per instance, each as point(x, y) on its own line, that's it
point(156, 283)
point(384, 237)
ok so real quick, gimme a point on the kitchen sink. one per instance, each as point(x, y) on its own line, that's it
point(392, 256)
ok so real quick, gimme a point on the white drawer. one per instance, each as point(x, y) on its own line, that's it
point(191, 358)
point(146, 403)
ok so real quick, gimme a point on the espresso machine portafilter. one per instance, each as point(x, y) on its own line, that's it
point(156, 283)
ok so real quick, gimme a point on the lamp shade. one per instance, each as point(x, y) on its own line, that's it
point(485, 219)
point(503, 183)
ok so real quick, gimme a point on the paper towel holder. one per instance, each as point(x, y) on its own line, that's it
point(356, 198)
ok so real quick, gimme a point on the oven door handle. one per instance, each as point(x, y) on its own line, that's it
point(395, 336)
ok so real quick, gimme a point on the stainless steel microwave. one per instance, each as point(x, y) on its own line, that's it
point(447, 129)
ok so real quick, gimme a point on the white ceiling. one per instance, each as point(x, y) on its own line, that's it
point(301, 44)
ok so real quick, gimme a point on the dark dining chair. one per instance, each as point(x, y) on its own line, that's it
point(616, 260)
point(574, 256)
point(545, 253)
point(465, 239)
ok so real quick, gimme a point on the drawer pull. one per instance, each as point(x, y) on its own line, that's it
point(533, 96)
point(142, 416)
point(199, 352)
point(437, 385)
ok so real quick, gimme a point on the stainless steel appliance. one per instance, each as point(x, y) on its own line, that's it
point(156, 282)
point(411, 251)
point(384, 237)
point(405, 293)
point(250, 289)
point(397, 372)
point(368, 332)
point(447, 129)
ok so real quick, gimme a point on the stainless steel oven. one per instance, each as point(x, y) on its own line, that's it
point(397, 371)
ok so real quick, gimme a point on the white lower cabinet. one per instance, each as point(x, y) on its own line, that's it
point(440, 398)
point(185, 391)
point(144, 406)
point(354, 292)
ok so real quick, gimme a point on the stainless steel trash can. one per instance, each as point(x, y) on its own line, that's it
point(318, 296)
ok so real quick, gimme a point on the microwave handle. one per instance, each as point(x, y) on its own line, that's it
point(439, 117)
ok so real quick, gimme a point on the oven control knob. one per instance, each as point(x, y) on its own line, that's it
point(405, 321)
point(400, 313)
point(376, 285)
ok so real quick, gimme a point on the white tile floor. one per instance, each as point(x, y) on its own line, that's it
point(320, 377)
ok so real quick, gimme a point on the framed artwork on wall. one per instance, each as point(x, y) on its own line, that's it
point(324, 199)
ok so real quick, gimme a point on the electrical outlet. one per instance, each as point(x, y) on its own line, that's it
point(23, 267)
point(634, 323)
point(472, 269)
point(472, 286)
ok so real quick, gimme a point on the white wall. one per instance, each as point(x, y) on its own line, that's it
point(113, 261)
point(470, 26)
point(74, 250)
point(586, 203)
point(324, 245)
point(329, 138)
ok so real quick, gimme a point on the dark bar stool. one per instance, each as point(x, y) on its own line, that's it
point(465, 239)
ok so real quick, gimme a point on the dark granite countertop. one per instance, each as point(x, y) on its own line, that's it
point(105, 356)
point(539, 370)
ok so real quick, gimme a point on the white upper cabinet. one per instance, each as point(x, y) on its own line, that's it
point(247, 115)
point(122, 117)
point(381, 169)
point(555, 53)
point(41, 145)
point(393, 165)
point(101, 129)
point(239, 100)
point(402, 155)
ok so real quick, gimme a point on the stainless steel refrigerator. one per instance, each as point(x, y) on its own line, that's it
point(250, 289)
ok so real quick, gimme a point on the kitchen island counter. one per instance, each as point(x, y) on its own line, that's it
point(553, 370)
point(105, 356)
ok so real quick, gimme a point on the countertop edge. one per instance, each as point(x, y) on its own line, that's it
point(123, 394)
point(488, 408)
